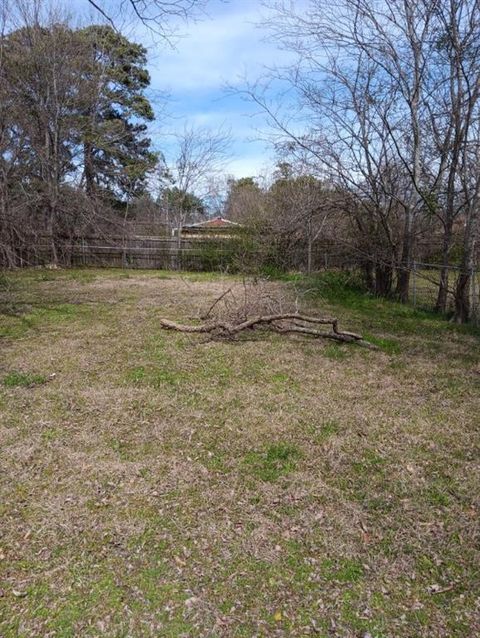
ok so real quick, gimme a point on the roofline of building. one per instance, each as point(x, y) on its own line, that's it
point(209, 221)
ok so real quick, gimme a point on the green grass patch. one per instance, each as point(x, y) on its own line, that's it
point(344, 570)
point(137, 375)
point(82, 275)
point(167, 377)
point(326, 430)
point(23, 380)
point(438, 493)
point(278, 274)
point(283, 381)
point(335, 351)
point(347, 291)
point(370, 462)
point(215, 461)
point(154, 377)
point(319, 432)
point(278, 459)
point(390, 346)
point(17, 325)
point(51, 434)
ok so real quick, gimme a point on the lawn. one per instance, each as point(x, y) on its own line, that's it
point(160, 484)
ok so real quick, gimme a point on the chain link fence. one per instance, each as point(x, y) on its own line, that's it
point(425, 284)
point(238, 255)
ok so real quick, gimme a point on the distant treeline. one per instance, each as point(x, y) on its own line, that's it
point(379, 154)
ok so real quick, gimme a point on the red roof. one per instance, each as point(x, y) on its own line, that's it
point(216, 222)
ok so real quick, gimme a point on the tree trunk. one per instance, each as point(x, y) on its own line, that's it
point(383, 280)
point(368, 275)
point(89, 171)
point(442, 297)
point(462, 297)
point(51, 233)
point(403, 283)
point(403, 272)
point(309, 255)
point(464, 282)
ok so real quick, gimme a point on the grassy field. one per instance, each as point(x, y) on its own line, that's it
point(159, 484)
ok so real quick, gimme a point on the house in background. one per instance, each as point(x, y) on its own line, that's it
point(217, 227)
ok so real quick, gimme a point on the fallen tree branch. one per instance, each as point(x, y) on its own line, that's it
point(282, 323)
point(217, 300)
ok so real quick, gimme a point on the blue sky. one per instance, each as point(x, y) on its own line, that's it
point(226, 47)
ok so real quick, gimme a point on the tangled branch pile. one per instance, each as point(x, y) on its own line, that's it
point(260, 308)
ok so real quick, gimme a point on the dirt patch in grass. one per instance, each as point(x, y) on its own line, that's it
point(165, 485)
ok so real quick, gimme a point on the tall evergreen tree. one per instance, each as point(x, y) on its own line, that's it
point(116, 151)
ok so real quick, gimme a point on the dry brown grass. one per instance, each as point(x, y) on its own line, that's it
point(165, 485)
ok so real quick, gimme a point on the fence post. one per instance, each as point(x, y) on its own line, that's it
point(414, 284)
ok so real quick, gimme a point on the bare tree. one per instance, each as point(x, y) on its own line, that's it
point(346, 99)
point(5, 148)
point(300, 206)
point(201, 155)
point(389, 90)
point(155, 14)
point(38, 72)
point(453, 126)
point(465, 292)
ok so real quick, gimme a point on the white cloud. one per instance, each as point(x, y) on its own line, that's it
point(216, 51)
point(250, 165)
point(223, 49)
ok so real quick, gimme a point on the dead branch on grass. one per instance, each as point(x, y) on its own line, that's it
point(257, 306)
point(293, 323)
point(217, 301)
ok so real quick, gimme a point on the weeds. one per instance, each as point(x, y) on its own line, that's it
point(23, 380)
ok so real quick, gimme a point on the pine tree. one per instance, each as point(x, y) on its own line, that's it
point(117, 156)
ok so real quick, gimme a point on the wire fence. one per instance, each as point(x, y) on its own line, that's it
point(425, 284)
point(231, 255)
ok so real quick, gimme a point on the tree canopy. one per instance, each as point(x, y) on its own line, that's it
point(73, 114)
